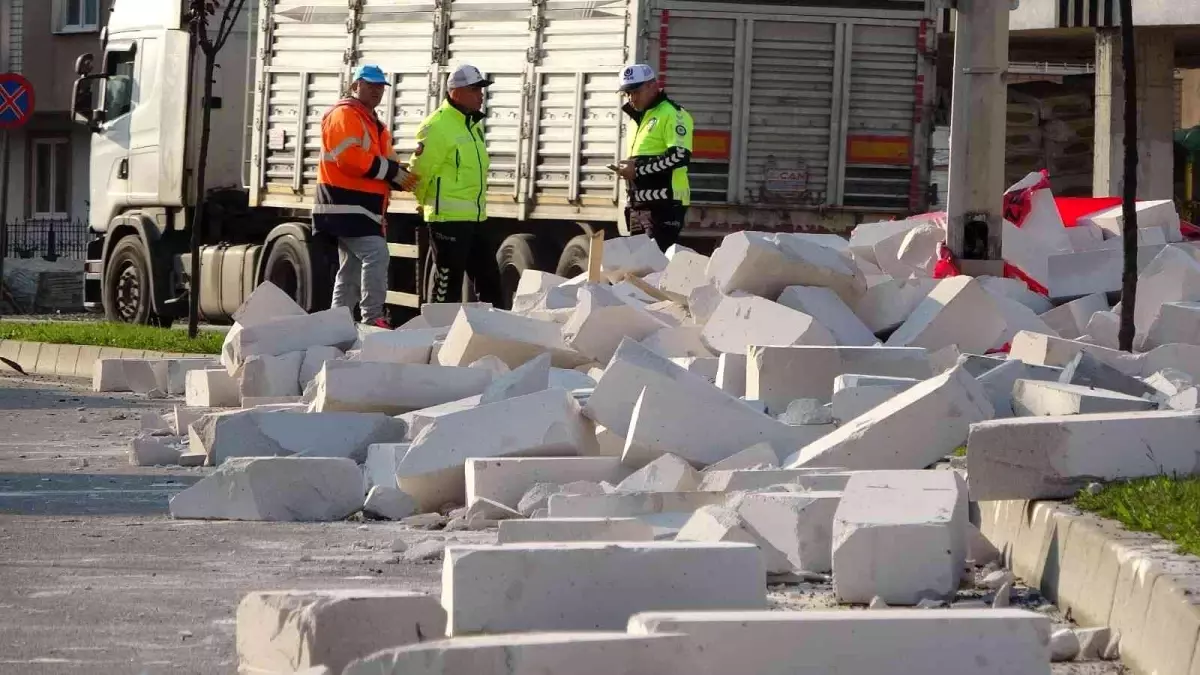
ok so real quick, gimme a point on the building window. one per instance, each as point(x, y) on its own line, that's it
point(77, 16)
point(50, 177)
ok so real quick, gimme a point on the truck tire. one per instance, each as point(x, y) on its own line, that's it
point(127, 293)
point(574, 258)
point(292, 266)
point(516, 254)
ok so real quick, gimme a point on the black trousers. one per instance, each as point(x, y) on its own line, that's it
point(458, 251)
point(662, 223)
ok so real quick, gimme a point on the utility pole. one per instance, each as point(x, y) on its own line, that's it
point(1129, 231)
point(978, 117)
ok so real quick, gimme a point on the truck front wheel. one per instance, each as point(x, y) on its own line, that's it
point(295, 268)
point(127, 291)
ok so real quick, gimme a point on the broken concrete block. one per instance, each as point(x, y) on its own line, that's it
point(705, 367)
point(854, 395)
point(962, 641)
point(1017, 317)
point(275, 488)
point(799, 526)
point(419, 419)
point(493, 364)
point(886, 305)
point(1047, 350)
point(1048, 399)
point(314, 361)
point(864, 236)
point(703, 301)
point(731, 374)
point(912, 252)
point(270, 376)
point(490, 511)
point(629, 504)
point(765, 264)
point(780, 375)
point(547, 423)
point(678, 342)
point(1173, 276)
point(956, 312)
point(668, 473)
point(1103, 329)
point(1053, 457)
point(511, 338)
point(912, 431)
point(530, 378)
point(738, 323)
point(443, 314)
point(1015, 289)
point(1160, 214)
point(901, 536)
point(998, 384)
point(1176, 323)
point(332, 327)
point(150, 450)
point(590, 653)
point(266, 433)
point(978, 364)
point(686, 271)
point(1077, 274)
point(389, 503)
point(266, 303)
point(401, 346)
point(211, 389)
point(829, 310)
point(747, 480)
point(610, 444)
point(757, 456)
point(285, 631)
point(712, 524)
point(184, 417)
point(1087, 371)
point(574, 529)
point(571, 380)
point(592, 586)
point(637, 255)
point(108, 375)
point(602, 320)
point(507, 479)
point(152, 421)
point(392, 388)
point(806, 412)
point(382, 460)
point(1070, 320)
point(538, 496)
point(536, 281)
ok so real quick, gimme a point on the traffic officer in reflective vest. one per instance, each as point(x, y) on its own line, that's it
point(659, 153)
point(452, 160)
point(356, 174)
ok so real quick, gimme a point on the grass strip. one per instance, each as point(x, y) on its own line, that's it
point(1165, 505)
point(121, 335)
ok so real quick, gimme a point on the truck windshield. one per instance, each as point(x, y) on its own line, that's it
point(118, 92)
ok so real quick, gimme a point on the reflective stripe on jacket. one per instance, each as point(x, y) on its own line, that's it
point(662, 149)
point(452, 162)
point(355, 172)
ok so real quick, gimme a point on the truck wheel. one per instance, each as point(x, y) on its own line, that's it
point(574, 259)
point(514, 256)
point(127, 282)
point(290, 266)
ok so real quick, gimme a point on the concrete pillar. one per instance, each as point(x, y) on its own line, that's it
point(1190, 115)
point(1156, 113)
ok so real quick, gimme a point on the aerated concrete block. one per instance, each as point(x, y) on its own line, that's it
point(959, 641)
point(574, 529)
point(1087, 371)
point(765, 264)
point(1070, 320)
point(799, 526)
point(530, 378)
point(1018, 317)
point(266, 433)
point(602, 320)
point(819, 480)
point(1173, 276)
point(417, 420)
point(684, 273)
point(275, 488)
point(389, 503)
point(108, 375)
point(1160, 214)
point(900, 536)
point(956, 312)
point(507, 479)
point(392, 388)
point(331, 328)
point(759, 455)
point(638, 255)
point(590, 653)
point(738, 323)
point(629, 504)
point(823, 305)
point(1053, 457)
point(912, 431)
point(443, 314)
point(668, 473)
point(537, 281)
point(285, 631)
point(998, 383)
point(382, 460)
point(211, 389)
point(886, 305)
point(678, 342)
point(780, 375)
point(1050, 399)
point(854, 395)
point(270, 376)
point(1104, 329)
point(1047, 350)
point(514, 339)
point(1176, 323)
point(731, 374)
point(592, 586)
point(546, 424)
point(1015, 289)
point(401, 346)
point(150, 450)
point(314, 360)
point(705, 367)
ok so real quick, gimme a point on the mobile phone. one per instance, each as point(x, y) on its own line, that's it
point(613, 167)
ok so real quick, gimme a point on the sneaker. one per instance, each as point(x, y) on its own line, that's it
point(381, 323)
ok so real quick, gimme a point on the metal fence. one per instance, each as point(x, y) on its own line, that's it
point(51, 239)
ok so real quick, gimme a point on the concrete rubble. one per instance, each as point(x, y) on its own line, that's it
point(738, 323)
point(392, 388)
point(278, 433)
point(1049, 399)
point(780, 375)
point(275, 488)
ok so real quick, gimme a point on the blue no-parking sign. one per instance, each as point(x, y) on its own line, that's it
point(16, 100)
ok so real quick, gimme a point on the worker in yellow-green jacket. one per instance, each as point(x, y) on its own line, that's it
point(659, 154)
point(452, 161)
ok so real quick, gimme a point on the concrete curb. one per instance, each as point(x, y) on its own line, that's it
point(42, 358)
point(1105, 575)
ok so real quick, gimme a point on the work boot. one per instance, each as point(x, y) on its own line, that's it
point(381, 323)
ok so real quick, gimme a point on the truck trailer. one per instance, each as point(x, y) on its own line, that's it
point(810, 115)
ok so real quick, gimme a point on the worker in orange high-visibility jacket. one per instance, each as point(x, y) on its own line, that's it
point(357, 172)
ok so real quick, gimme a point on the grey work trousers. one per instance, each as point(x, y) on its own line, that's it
point(362, 275)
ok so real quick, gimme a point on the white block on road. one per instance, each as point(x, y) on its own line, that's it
point(956, 312)
point(668, 473)
point(393, 388)
point(592, 586)
point(547, 423)
point(912, 431)
point(901, 536)
point(590, 653)
point(574, 529)
point(1053, 457)
point(514, 339)
point(959, 641)
point(401, 346)
point(382, 460)
point(268, 433)
point(270, 376)
point(629, 504)
point(738, 323)
point(780, 375)
point(829, 310)
point(285, 631)
point(1048, 399)
point(820, 480)
point(149, 450)
point(1069, 320)
point(765, 264)
point(602, 320)
point(799, 526)
point(507, 479)
point(276, 489)
point(213, 388)
point(686, 271)
point(332, 327)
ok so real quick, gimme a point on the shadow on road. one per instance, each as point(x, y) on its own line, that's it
point(82, 494)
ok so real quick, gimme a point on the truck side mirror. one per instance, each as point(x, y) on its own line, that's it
point(83, 102)
point(83, 64)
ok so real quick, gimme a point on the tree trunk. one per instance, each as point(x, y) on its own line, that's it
point(201, 197)
point(1129, 232)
